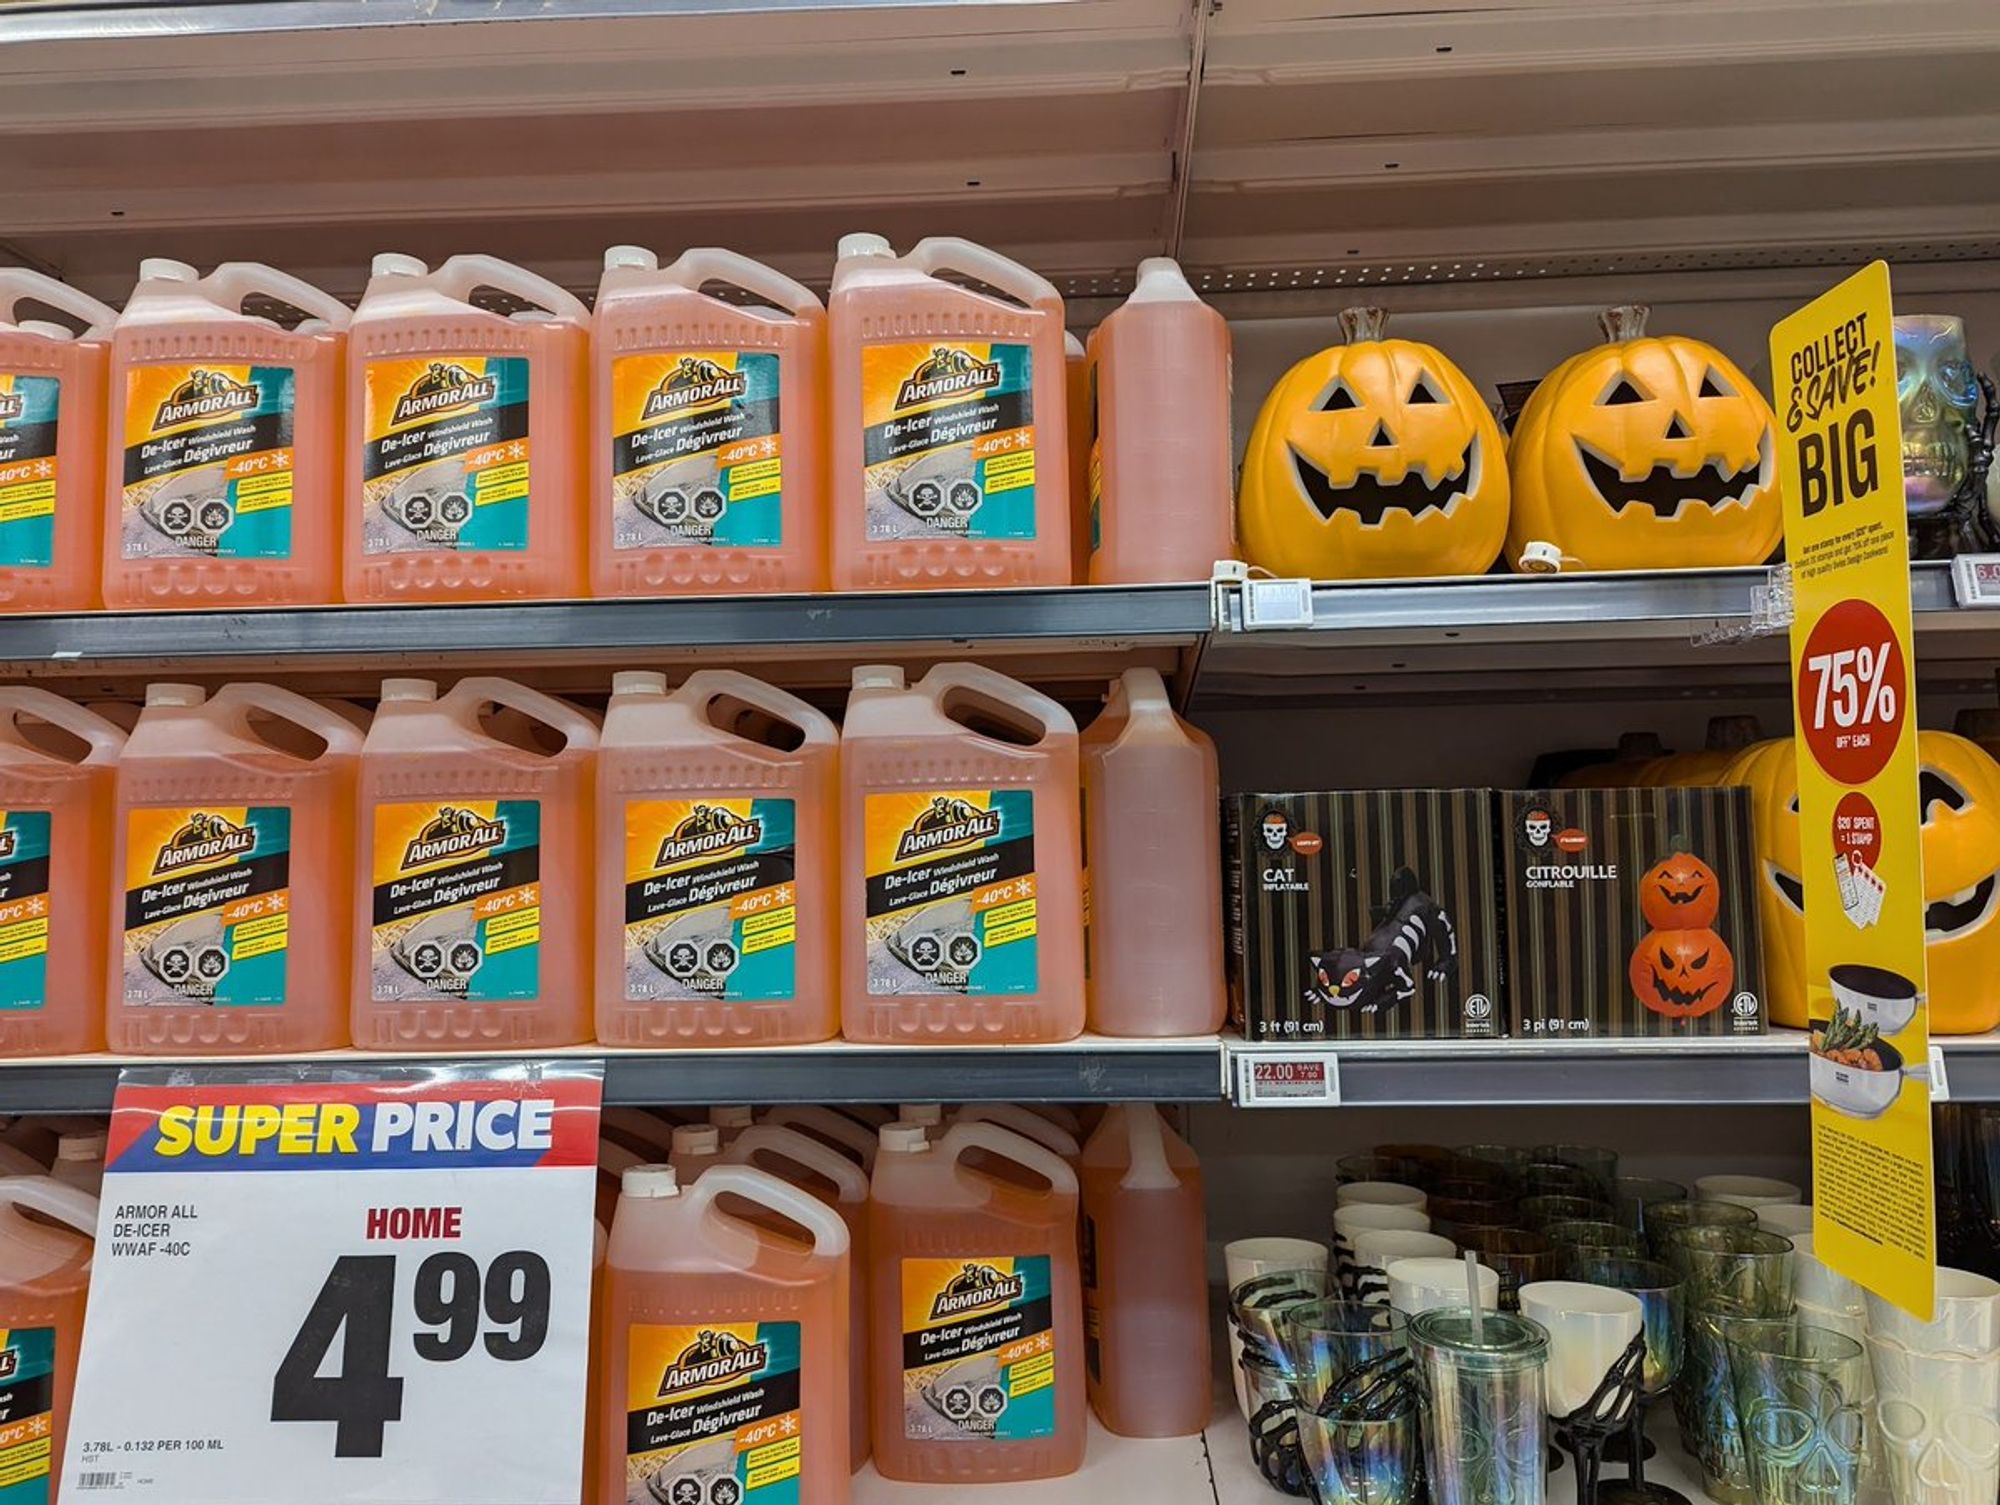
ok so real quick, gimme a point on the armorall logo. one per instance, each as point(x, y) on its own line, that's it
point(693, 383)
point(948, 373)
point(8, 842)
point(453, 833)
point(706, 832)
point(206, 394)
point(205, 838)
point(445, 385)
point(974, 1288)
point(710, 1360)
point(12, 406)
point(950, 822)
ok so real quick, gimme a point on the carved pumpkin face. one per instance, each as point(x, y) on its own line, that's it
point(1646, 454)
point(1682, 974)
point(1680, 892)
point(1959, 787)
point(1372, 459)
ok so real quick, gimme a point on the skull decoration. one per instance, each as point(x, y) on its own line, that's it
point(1940, 1419)
point(1277, 830)
point(1939, 397)
point(1805, 1441)
point(1537, 826)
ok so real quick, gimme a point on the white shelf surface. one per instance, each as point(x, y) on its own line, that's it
point(1116, 1471)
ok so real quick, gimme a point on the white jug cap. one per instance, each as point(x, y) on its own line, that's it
point(650, 1181)
point(532, 316)
point(171, 694)
point(166, 269)
point(409, 689)
point(697, 1139)
point(928, 1115)
point(904, 1139)
point(638, 682)
point(396, 264)
point(1541, 558)
point(1072, 346)
point(1160, 281)
point(877, 677)
point(732, 1116)
point(81, 1146)
point(861, 243)
point(630, 258)
point(46, 329)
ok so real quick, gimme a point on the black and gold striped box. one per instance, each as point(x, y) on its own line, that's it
point(1631, 913)
point(1366, 914)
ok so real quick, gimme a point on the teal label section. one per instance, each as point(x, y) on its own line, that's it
point(30, 415)
point(457, 901)
point(711, 899)
point(208, 466)
point(979, 1350)
point(24, 910)
point(207, 906)
point(698, 456)
point(951, 893)
point(27, 1411)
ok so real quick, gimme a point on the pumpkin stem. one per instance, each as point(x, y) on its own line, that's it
point(1359, 324)
point(1625, 322)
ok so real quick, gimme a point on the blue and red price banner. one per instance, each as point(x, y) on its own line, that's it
point(340, 1284)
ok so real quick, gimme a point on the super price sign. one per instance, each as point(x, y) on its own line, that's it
point(370, 1285)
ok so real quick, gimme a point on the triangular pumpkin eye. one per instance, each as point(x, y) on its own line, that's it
point(1338, 399)
point(1712, 385)
point(1622, 393)
point(1423, 391)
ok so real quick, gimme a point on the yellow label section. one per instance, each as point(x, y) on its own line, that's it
point(177, 396)
point(29, 499)
point(898, 380)
point(920, 826)
point(175, 841)
point(25, 939)
point(415, 837)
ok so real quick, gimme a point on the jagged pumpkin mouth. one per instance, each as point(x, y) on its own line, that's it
point(1371, 499)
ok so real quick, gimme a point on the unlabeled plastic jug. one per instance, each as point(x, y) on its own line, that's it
point(923, 1115)
point(465, 458)
point(950, 449)
point(723, 1345)
point(56, 825)
point(977, 1355)
point(717, 895)
point(1025, 1122)
point(961, 898)
point(223, 467)
point(731, 1119)
point(44, 1277)
point(1152, 866)
point(1163, 502)
point(708, 431)
point(853, 1140)
point(842, 1185)
point(52, 428)
point(1145, 1278)
point(80, 1161)
point(613, 1161)
point(230, 874)
point(475, 877)
point(1082, 424)
point(593, 1396)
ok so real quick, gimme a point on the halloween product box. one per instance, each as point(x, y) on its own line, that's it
point(1631, 913)
point(1363, 915)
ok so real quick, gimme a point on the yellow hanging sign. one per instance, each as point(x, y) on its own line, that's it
point(1840, 467)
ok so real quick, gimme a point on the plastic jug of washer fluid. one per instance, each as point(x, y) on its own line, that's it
point(723, 1346)
point(1163, 495)
point(1082, 422)
point(829, 1127)
point(44, 1278)
point(841, 1184)
point(961, 902)
point(977, 1355)
point(80, 1160)
point(474, 876)
point(52, 385)
point(1145, 1277)
point(1152, 867)
point(465, 449)
point(224, 460)
point(708, 431)
point(950, 458)
point(56, 824)
point(231, 866)
point(717, 896)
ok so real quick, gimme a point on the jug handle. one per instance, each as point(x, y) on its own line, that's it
point(829, 1232)
point(106, 740)
point(19, 283)
point(460, 275)
point(234, 281)
point(705, 686)
point(997, 687)
point(856, 1138)
point(1052, 1137)
point(1008, 1145)
point(849, 1180)
point(579, 732)
point(341, 736)
point(69, 1205)
point(713, 264)
point(948, 253)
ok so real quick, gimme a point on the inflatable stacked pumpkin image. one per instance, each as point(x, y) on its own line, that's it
point(1681, 968)
point(1373, 459)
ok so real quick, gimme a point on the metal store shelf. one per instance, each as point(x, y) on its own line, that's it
point(1086, 1070)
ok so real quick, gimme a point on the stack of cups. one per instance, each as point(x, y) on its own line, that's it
point(1937, 1390)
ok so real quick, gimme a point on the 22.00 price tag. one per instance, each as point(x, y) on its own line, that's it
point(344, 1285)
